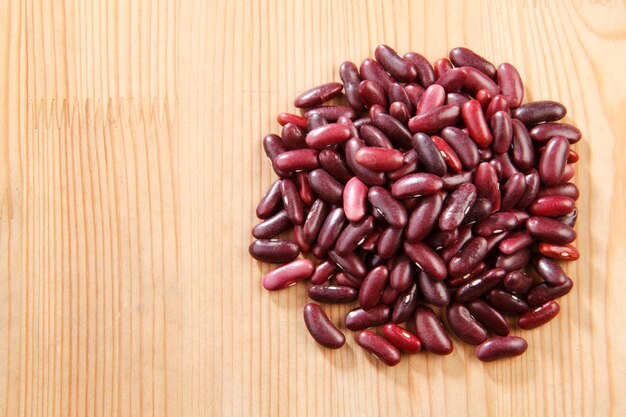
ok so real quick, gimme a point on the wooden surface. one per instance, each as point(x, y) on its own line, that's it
point(131, 163)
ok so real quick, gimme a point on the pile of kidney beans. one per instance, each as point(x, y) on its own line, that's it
point(431, 189)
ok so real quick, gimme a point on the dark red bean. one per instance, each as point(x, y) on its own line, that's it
point(354, 234)
point(405, 305)
point(389, 242)
point(379, 159)
point(501, 348)
point(517, 282)
point(523, 151)
point(321, 328)
point(550, 230)
point(442, 238)
point(477, 81)
point(425, 72)
point(456, 99)
point(486, 181)
point(434, 292)
point(298, 237)
point(332, 293)
point(418, 184)
point(372, 70)
point(326, 135)
point(448, 154)
point(453, 80)
point(550, 271)
point(424, 217)
point(474, 119)
point(400, 68)
point(359, 318)
point(560, 252)
point(568, 219)
point(480, 210)
point(272, 226)
point(539, 316)
point(368, 176)
point(402, 338)
point(553, 205)
point(370, 93)
point(394, 129)
point(375, 110)
point(349, 262)
point(468, 257)
point(373, 286)
point(463, 146)
point(350, 77)
point(314, 220)
point(345, 279)
point(331, 229)
point(497, 103)
point(458, 281)
point(512, 262)
point(393, 212)
point(273, 146)
point(489, 317)
point(452, 181)
point(441, 66)
point(318, 95)
point(315, 120)
point(304, 188)
point(553, 160)
point(369, 244)
point(461, 57)
point(513, 191)
point(507, 167)
point(291, 201)
point(480, 285)
point(397, 93)
point(433, 97)
point(323, 272)
point(401, 276)
point(544, 132)
point(507, 303)
point(496, 223)
point(568, 173)
point(274, 251)
point(410, 165)
point(510, 84)
point(271, 202)
point(335, 164)
point(297, 160)
point(326, 186)
point(332, 113)
point(389, 296)
point(429, 156)
point(515, 242)
point(360, 122)
point(456, 206)
point(426, 259)
point(284, 118)
point(288, 275)
point(465, 234)
point(435, 119)
point(293, 137)
point(373, 136)
point(466, 327)
point(431, 333)
point(344, 121)
point(533, 184)
point(400, 112)
point(414, 91)
point(540, 111)
point(543, 293)
point(378, 346)
point(566, 189)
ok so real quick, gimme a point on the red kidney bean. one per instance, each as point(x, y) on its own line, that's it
point(550, 230)
point(401, 338)
point(416, 185)
point(379, 159)
point(456, 206)
point(553, 160)
point(368, 176)
point(497, 103)
point(441, 66)
point(354, 234)
point(493, 241)
point(288, 275)
point(553, 205)
point(370, 242)
point(401, 276)
point(463, 146)
point(501, 348)
point(394, 130)
point(319, 252)
point(425, 72)
point(539, 316)
point(543, 293)
point(523, 151)
point(373, 286)
point(284, 118)
point(466, 327)
point(502, 132)
point(486, 181)
point(321, 328)
point(510, 84)
point(291, 201)
point(517, 282)
point(327, 135)
point(323, 272)
point(480, 285)
point(533, 183)
point(373, 136)
point(332, 293)
point(426, 259)
point(344, 121)
point(431, 333)
point(513, 191)
point(515, 242)
point(314, 220)
point(350, 77)
point(331, 229)
point(298, 238)
point(449, 156)
point(393, 212)
point(461, 57)
point(550, 271)
point(561, 252)
point(424, 217)
point(476, 81)
point(544, 132)
point(335, 164)
point(485, 155)
point(458, 281)
point(514, 261)
point(315, 120)
point(566, 189)
point(496, 223)
point(400, 112)
point(405, 304)
point(484, 98)
point(568, 219)
point(272, 226)
point(453, 80)
point(376, 109)
point(468, 258)
point(568, 173)
point(293, 137)
point(297, 160)
point(273, 146)
point(397, 93)
point(271, 202)
point(359, 318)
point(464, 235)
point(480, 210)
point(274, 251)
point(318, 95)
point(400, 68)
point(389, 296)
point(540, 111)
point(307, 196)
point(456, 99)
point(378, 346)
point(326, 186)
point(452, 181)
point(410, 165)
point(389, 242)
point(345, 279)
point(433, 97)
point(355, 199)
point(442, 238)
point(507, 303)
point(349, 262)
point(435, 119)
point(429, 156)
point(370, 93)
point(474, 119)
point(372, 70)
point(332, 113)
point(434, 292)
point(414, 91)
point(489, 317)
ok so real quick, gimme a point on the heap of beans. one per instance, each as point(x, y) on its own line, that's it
point(432, 188)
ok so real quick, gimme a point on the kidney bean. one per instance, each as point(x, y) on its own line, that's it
point(373, 136)
point(442, 238)
point(315, 120)
point(331, 229)
point(466, 327)
point(568, 173)
point(549, 270)
point(389, 242)
point(397, 93)
point(332, 293)
point(456, 206)
point(394, 130)
point(501, 348)
point(418, 184)
point(401, 338)
point(370, 93)
point(493, 241)
point(291, 201)
point(553, 205)
point(461, 57)
point(376, 109)
point(517, 282)
point(426, 259)
point(540, 111)
point(496, 223)
point(424, 217)
point(327, 135)
point(405, 304)
point(463, 146)
point(497, 103)
point(474, 119)
point(452, 181)
point(424, 71)
point(456, 99)
point(372, 70)
point(354, 234)
point(272, 226)
point(379, 159)
point(464, 235)
point(274, 251)
point(513, 191)
point(429, 156)
point(401, 276)
point(284, 118)
point(453, 80)
point(414, 92)
point(433, 97)
point(345, 121)
point(539, 316)
point(349, 262)
point(449, 156)
point(523, 152)
point(332, 113)
point(430, 331)
point(544, 132)
point(515, 242)
point(314, 220)
point(566, 189)
point(434, 292)
point(410, 165)
point(468, 258)
point(298, 237)
point(389, 296)
point(318, 95)
point(533, 183)
point(271, 202)
point(372, 287)
point(480, 210)
point(359, 318)
point(502, 129)
point(553, 160)
point(350, 77)
point(355, 199)
point(543, 293)
point(507, 303)
point(486, 181)
point(326, 186)
point(368, 176)
point(560, 252)
point(477, 80)
point(435, 119)
point(378, 346)
point(345, 279)
point(550, 230)
point(489, 317)
point(288, 275)
point(393, 212)
point(293, 137)
point(400, 112)
point(335, 165)
point(514, 261)
point(510, 84)
point(297, 160)
point(484, 98)
point(273, 146)
point(442, 65)
point(321, 328)
point(400, 68)
point(307, 196)
point(323, 272)
point(480, 285)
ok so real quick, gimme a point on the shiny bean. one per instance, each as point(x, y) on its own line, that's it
point(284, 118)
point(400, 68)
point(424, 217)
point(354, 234)
point(468, 258)
point(474, 120)
point(539, 316)
point(431, 333)
point(332, 293)
point(461, 57)
point(512, 191)
point(426, 259)
point(550, 271)
point(429, 156)
point(297, 160)
point(550, 230)
point(501, 348)
point(288, 275)
point(378, 346)
point(543, 293)
point(318, 95)
point(273, 146)
point(456, 99)
point(418, 184)
point(401, 276)
point(463, 145)
point(373, 286)
point(448, 154)
point(510, 84)
point(372, 70)
point(335, 164)
point(523, 151)
point(349, 262)
point(397, 93)
point(323, 272)
point(331, 229)
point(345, 279)
point(271, 202)
point(389, 242)
point(379, 159)
point(359, 318)
point(433, 97)
point(498, 103)
point(272, 226)
point(393, 212)
point(414, 91)
point(402, 338)
point(517, 282)
point(507, 303)
point(441, 66)
point(476, 80)
point(486, 181)
point(464, 326)
point(291, 201)
point(480, 285)
point(370, 93)
point(515, 242)
point(540, 111)
point(394, 129)
point(560, 252)
point(456, 206)
point(544, 132)
point(553, 205)
point(400, 112)
point(321, 328)
point(350, 77)
point(453, 80)
point(489, 317)
point(368, 176)
point(533, 184)
point(326, 186)
point(434, 292)
point(566, 189)
point(514, 261)
point(553, 161)
point(425, 73)
point(435, 119)
point(315, 120)
point(274, 250)
point(496, 223)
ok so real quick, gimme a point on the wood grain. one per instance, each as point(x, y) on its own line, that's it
point(131, 163)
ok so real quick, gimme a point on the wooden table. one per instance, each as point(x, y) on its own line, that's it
point(131, 164)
